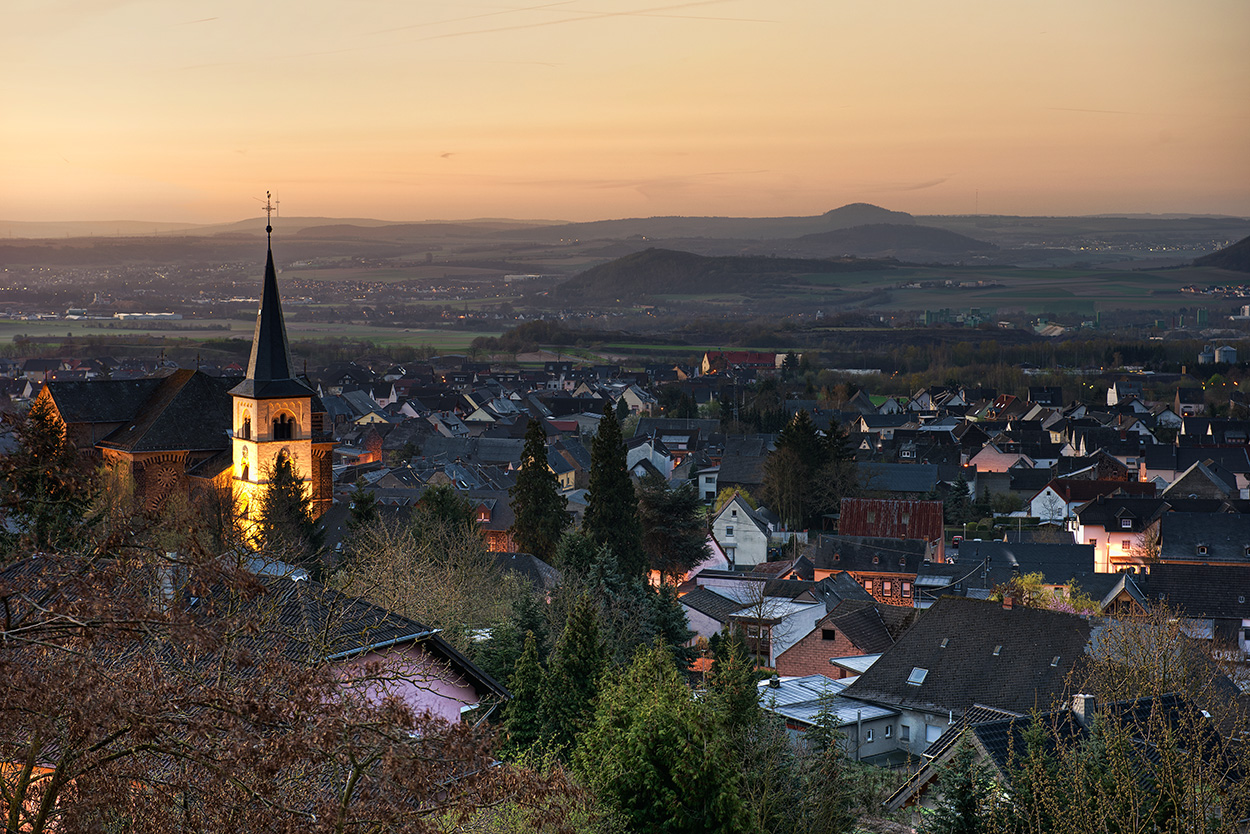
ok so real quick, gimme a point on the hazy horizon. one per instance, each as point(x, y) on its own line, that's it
point(580, 110)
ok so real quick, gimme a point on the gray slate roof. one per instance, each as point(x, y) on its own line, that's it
point(968, 670)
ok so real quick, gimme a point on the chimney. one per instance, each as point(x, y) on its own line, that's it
point(1007, 602)
point(1084, 707)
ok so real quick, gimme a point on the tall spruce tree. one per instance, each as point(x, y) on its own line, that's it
point(654, 754)
point(541, 512)
point(45, 485)
point(612, 510)
point(575, 670)
point(286, 529)
point(523, 717)
point(674, 525)
point(792, 471)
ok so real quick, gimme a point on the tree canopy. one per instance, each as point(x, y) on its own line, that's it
point(612, 510)
point(540, 511)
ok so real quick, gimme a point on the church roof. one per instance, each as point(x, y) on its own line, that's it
point(187, 410)
point(269, 371)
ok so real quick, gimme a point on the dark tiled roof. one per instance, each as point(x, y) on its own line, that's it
point(314, 623)
point(534, 570)
point(101, 401)
point(1225, 536)
point(857, 553)
point(898, 477)
point(1019, 677)
point(710, 603)
point(862, 624)
point(1200, 591)
point(189, 410)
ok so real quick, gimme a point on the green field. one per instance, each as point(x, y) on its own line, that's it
point(1033, 291)
point(443, 339)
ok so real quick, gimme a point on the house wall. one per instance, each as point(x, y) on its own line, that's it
point(810, 655)
point(420, 680)
point(748, 544)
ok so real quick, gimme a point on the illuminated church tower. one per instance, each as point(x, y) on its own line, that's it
point(276, 413)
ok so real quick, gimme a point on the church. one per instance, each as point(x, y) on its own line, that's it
point(189, 433)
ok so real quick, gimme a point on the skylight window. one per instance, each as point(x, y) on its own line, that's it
point(1055, 662)
point(945, 642)
point(997, 650)
point(917, 676)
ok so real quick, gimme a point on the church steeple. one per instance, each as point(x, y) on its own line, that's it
point(270, 372)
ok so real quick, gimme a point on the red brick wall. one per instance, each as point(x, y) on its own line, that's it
point(810, 656)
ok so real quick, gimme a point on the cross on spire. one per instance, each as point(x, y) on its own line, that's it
point(269, 210)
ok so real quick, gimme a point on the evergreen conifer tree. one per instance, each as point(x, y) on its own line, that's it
point(612, 512)
point(541, 514)
point(523, 717)
point(286, 529)
point(575, 670)
point(732, 686)
point(655, 756)
point(964, 803)
point(674, 525)
point(363, 509)
point(46, 486)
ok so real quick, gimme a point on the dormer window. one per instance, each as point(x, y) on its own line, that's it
point(876, 560)
point(1126, 523)
point(1202, 550)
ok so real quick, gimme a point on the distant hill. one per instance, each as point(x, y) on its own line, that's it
point(757, 228)
point(666, 272)
point(1235, 257)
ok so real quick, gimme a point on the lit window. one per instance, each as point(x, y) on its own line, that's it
point(917, 676)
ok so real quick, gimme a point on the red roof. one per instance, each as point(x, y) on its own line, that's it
point(891, 519)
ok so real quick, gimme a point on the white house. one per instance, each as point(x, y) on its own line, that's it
point(742, 533)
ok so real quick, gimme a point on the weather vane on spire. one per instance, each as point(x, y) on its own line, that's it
point(269, 209)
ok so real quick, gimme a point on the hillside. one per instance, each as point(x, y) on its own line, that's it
point(1235, 257)
point(758, 228)
point(889, 239)
point(665, 272)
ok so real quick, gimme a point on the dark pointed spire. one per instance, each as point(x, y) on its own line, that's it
point(269, 371)
point(271, 355)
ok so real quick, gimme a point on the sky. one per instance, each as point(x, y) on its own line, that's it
point(594, 109)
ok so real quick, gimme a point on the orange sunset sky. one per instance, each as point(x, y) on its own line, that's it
point(590, 109)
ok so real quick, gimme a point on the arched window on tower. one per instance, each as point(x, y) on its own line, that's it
point(245, 428)
point(243, 470)
point(284, 427)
